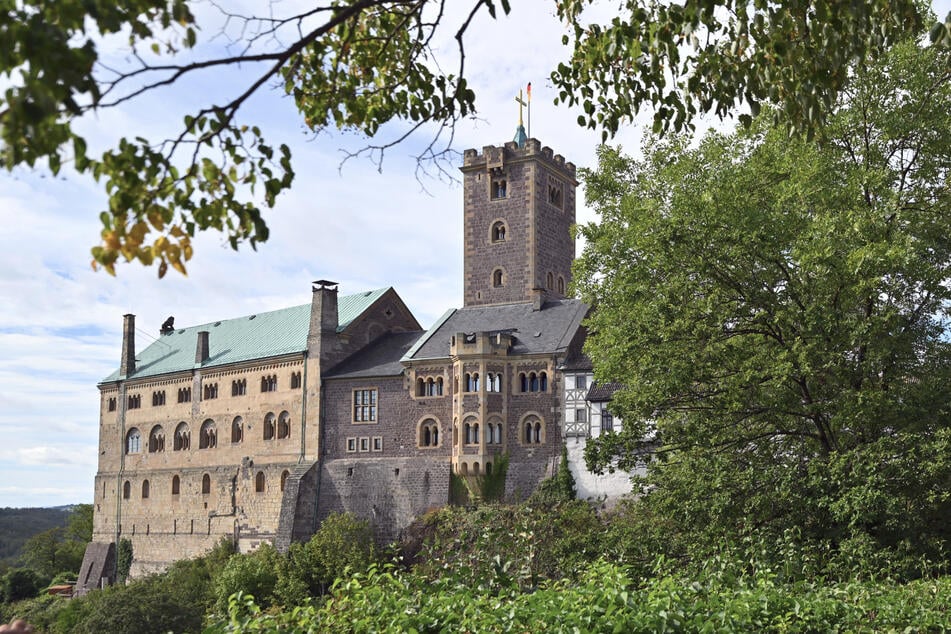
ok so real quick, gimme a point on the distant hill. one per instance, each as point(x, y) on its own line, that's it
point(18, 525)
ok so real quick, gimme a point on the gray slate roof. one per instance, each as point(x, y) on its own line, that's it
point(380, 358)
point(259, 336)
point(548, 330)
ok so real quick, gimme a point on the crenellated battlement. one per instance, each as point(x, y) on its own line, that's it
point(493, 156)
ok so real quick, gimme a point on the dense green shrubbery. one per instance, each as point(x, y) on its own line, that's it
point(605, 599)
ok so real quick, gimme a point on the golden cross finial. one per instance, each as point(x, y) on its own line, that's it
point(521, 103)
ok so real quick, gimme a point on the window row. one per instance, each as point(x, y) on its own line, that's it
point(551, 283)
point(260, 485)
point(364, 443)
point(532, 431)
point(429, 386)
point(239, 387)
point(472, 382)
point(533, 381)
point(278, 427)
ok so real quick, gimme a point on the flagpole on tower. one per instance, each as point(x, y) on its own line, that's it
point(529, 109)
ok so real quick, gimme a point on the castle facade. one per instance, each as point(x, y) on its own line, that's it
point(256, 428)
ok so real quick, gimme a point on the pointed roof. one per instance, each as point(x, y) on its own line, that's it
point(257, 336)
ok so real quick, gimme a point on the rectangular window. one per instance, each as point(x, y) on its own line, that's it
point(581, 415)
point(607, 421)
point(581, 381)
point(378, 443)
point(364, 406)
point(365, 444)
point(351, 445)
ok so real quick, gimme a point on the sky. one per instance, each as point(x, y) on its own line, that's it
point(365, 228)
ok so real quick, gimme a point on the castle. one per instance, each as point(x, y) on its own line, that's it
point(258, 427)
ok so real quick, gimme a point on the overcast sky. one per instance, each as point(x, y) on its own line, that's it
point(60, 322)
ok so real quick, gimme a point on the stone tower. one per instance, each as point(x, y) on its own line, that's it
point(519, 205)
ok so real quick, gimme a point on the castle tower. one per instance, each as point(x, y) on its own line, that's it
point(519, 205)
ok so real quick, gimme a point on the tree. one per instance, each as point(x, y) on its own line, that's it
point(359, 64)
point(777, 310)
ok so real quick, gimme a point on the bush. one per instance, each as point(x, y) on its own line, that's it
point(342, 545)
point(21, 583)
point(254, 573)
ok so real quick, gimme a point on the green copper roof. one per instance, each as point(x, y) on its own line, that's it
point(246, 338)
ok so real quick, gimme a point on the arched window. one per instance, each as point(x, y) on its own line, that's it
point(498, 278)
point(182, 440)
point(176, 485)
point(430, 387)
point(420, 387)
point(428, 433)
point(269, 426)
point(259, 482)
point(561, 285)
point(126, 490)
point(237, 429)
point(471, 428)
point(493, 432)
point(543, 382)
point(157, 439)
point(522, 382)
point(133, 441)
point(284, 425)
point(205, 484)
point(551, 281)
point(532, 382)
point(498, 231)
point(488, 468)
point(497, 434)
point(533, 432)
point(145, 489)
point(207, 435)
point(284, 475)
point(439, 383)
point(468, 382)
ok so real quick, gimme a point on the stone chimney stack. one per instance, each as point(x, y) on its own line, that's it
point(323, 311)
point(127, 364)
point(201, 350)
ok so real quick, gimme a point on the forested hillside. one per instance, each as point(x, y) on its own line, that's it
point(20, 524)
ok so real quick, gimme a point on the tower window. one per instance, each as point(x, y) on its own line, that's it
point(498, 278)
point(499, 188)
point(555, 192)
point(498, 231)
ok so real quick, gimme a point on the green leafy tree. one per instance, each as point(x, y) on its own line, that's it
point(778, 309)
point(124, 559)
point(255, 573)
point(21, 583)
point(357, 65)
point(342, 545)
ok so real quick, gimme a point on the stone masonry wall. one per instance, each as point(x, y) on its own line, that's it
point(387, 492)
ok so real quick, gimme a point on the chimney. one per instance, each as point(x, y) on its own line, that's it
point(324, 305)
point(538, 298)
point(201, 350)
point(127, 363)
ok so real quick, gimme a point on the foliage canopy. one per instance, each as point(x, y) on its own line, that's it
point(778, 312)
point(357, 65)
